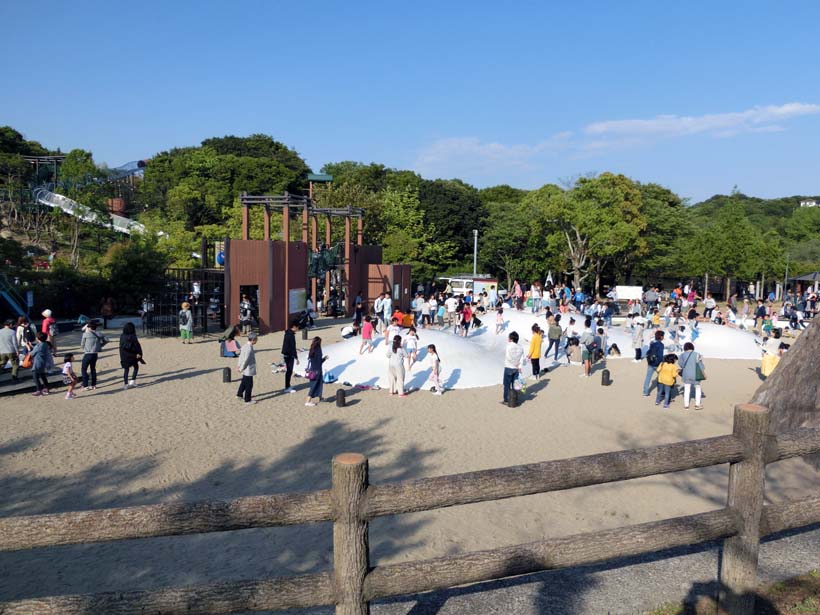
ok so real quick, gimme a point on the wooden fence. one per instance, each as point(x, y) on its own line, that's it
point(352, 502)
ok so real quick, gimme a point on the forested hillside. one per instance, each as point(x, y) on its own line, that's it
point(605, 227)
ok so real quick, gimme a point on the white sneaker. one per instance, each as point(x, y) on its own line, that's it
point(132, 384)
point(250, 403)
point(437, 393)
point(309, 403)
point(290, 390)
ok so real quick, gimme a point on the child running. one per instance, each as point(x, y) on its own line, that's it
point(499, 321)
point(435, 368)
point(412, 346)
point(69, 377)
point(367, 336)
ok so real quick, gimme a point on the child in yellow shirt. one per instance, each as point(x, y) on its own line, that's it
point(534, 353)
point(667, 374)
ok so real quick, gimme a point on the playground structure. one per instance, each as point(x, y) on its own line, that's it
point(278, 272)
point(44, 195)
point(9, 293)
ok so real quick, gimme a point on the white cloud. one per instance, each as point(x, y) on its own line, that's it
point(756, 119)
point(484, 162)
point(447, 157)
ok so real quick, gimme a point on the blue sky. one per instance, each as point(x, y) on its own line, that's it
point(697, 96)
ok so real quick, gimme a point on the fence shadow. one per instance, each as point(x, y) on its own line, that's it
point(196, 559)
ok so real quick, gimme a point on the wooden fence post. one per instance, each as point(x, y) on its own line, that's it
point(351, 548)
point(738, 569)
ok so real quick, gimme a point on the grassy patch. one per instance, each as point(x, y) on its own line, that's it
point(797, 596)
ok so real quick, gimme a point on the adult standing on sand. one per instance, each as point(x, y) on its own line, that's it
point(107, 310)
point(246, 365)
point(654, 357)
point(9, 351)
point(289, 354)
point(49, 327)
point(91, 343)
point(692, 372)
point(130, 354)
point(314, 364)
point(186, 324)
point(513, 363)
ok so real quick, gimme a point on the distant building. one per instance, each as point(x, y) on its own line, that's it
point(809, 203)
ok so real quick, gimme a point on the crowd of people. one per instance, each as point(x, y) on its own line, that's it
point(571, 327)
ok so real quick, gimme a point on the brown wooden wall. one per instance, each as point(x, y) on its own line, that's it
point(383, 278)
point(261, 262)
point(361, 258)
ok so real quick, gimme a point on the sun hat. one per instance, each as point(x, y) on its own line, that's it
point(47, 313)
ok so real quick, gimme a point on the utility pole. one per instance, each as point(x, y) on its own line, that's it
point(475, 251)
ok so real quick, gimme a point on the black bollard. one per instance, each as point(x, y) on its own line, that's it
point(304, 334)
point(514, 398)
point(226, 374)
point(340, 398)
point(605, 381)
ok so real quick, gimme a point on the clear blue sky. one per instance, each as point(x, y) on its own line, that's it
point(698, 96)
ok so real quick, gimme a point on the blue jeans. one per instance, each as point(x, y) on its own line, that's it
point(536, 306)
point(665, 393)
point(510, 374)
point(552, 343)
point(647, 383)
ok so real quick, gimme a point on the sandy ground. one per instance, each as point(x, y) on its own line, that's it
point(181, 435)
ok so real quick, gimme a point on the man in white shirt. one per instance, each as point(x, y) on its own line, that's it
point(377, 309)
point(387, 309)
point(513, 362)
point(452, 305)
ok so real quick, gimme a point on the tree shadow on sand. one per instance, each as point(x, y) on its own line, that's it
point(196, 559)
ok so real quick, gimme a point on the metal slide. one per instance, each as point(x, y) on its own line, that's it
point(120, 224)
point(10, 295)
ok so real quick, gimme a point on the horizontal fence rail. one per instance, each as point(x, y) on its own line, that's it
point(352, 502)
point(516, 481)
point(155, 520)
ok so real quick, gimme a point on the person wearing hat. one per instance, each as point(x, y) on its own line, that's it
point(49, 327)
point(186, 324)
point(9, 351)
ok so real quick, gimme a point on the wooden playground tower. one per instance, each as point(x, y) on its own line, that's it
point(280, 267)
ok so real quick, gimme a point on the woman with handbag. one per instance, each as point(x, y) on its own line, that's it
point(314, 371)
point(693, 373)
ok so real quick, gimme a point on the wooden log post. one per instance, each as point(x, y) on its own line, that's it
point(738, 568)
point(351, 548)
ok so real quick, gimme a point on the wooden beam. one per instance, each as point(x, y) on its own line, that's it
point(554, 553)
point(738, 564)
point(232, 597)
point(351, 550)
point(515, 481)
point(17, 533)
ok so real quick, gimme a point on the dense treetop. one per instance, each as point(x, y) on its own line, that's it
point(603, 227)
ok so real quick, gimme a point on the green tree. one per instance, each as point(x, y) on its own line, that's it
point(409, 239)
point(453, 209)
point(135, 268)
point(597, 221)
point(80, 181)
